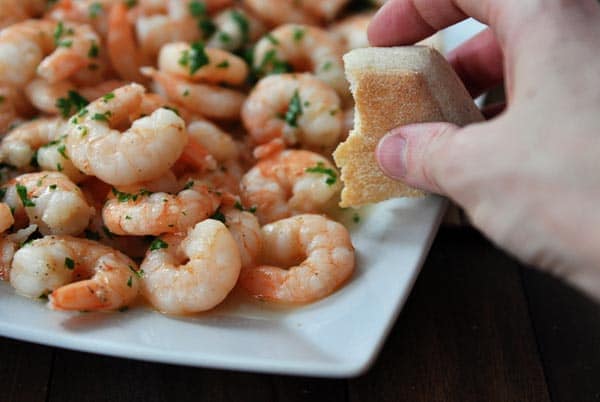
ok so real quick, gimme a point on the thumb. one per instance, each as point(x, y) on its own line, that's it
point(417, 155)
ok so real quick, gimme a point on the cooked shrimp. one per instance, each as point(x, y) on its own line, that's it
point(352, 31)
point(92, 12)
point(211, 267)
point(305, 48)
point(143, 152)
point(80, 274)
point(19, 145)
point(54, 50)
point(13, 11)
point(208, 100)
point(277, 12)
point(123, 51)
point(235, 28)
point(295, 107)
point(291, 182)
point(9, 244)
point(246, 231)
point(216, 141)
point(45, 96)
point(8, 114)
point(155, 31)
point(6, 217)
point(53, 157)
point(198, 64)
point(51, 201)
point(158, 213)
point(324, 9)
point(319, 252)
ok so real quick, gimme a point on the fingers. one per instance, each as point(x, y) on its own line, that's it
point(415, 154)
point(404, 22)
point(479, 62)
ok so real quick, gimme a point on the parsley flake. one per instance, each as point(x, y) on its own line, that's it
point(22, 192)
point(294, 110)
point(157, 244)
point(321, 169)
point(194, 58)
point(73, 103)
point(62, 151)
point(69, 263)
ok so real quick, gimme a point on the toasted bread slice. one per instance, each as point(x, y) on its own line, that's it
point(393, 87)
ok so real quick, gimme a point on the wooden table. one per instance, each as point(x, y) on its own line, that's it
point(477, 327)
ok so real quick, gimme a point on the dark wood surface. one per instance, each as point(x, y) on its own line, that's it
point(477, 327)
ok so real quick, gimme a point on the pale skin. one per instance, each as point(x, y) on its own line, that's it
point(528, 177)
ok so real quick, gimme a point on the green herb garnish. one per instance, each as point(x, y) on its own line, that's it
point(321, 169)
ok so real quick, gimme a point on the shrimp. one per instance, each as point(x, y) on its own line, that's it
point(216, 141)
point(211, 266)
point(51, 201)
point(158, 213)
point(198, 64)
point(92, 12)
point(53, 157)
point(13, 11)
point(311, 111)
point(9, 244)
point(324, 9)
point(8, 114)
point(208, 100)
point(19, 145)
point(76, 274)
point(46, 96)
point(352, 31)
point(246, 231)
point(143, 152)
point(305, 48)
point(235, 28)
point(319, 252)
point(291, 182)
point(123, 51)
point(277, 12)
point(53, 50)
point(155, 31)
point(6, 217)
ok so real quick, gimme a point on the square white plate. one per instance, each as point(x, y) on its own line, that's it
point(336, 337)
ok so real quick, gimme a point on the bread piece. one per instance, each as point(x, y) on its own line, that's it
point(393, 87)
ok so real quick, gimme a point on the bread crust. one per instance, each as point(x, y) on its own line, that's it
point(393, 87)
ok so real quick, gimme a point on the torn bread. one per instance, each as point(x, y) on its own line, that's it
point(393, 87)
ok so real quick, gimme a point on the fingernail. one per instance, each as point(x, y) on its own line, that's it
point(391, 155)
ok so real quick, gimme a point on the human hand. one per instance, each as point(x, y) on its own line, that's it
point(530, 177)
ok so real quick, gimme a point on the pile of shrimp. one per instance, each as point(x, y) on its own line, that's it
point(173, 150)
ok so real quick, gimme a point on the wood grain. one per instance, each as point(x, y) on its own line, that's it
point(464, 335)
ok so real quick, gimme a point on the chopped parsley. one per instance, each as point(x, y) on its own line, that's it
point(59, 167)
point(321, 169)
point(22, 192)
point(238, 205)
point(186, 92)
point(95, 9)
point(102, 116)
point(94, 50)
point(69, 263)
point(198, 10)
point(218, 215)
point(108, 97)
point(130, 3)
point(59, 32)
point(194, 58)
point(270, 64)
point(139, 274)
point(223, 64)
point(188, 185)
point(108, 233)
point(224, 37)
point(2, 99)
point(326, 66)
point(52, 187)
point(272, 39)
point(157, 244)
point(294, 110)
point(242, 24)
point(130, 281)
point(124, 197)
point(73, 103)
point(298, 34)
point(172, 109)
point(61, 149)
point(356, 218)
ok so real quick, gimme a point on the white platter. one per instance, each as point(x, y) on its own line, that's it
point(336, 337)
